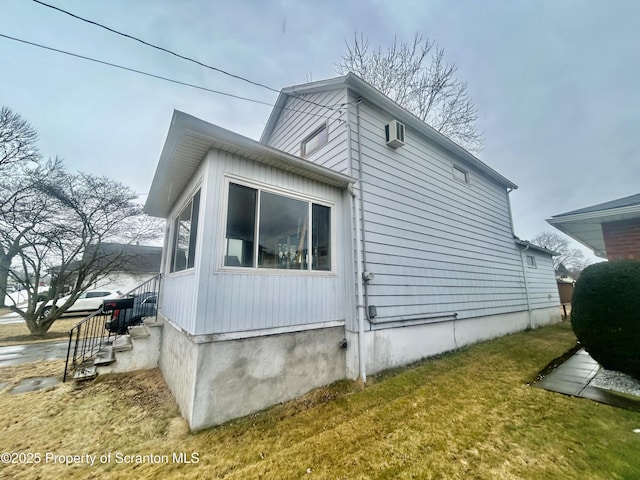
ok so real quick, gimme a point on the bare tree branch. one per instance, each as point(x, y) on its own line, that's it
point(570, 260)
point(416, 76)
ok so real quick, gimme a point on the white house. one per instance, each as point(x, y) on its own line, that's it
point(352, 238)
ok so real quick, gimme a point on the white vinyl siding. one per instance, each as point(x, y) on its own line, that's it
point(303, 116)
point(179, 293)
point(543, 287)
point(437, 246)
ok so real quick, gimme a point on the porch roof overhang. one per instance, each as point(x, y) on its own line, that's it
point(361, 88)
point(585, 225)
point(190, 139)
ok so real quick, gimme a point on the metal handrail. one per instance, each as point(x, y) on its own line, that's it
point(90, 335)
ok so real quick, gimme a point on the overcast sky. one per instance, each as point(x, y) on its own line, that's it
point(555, 82)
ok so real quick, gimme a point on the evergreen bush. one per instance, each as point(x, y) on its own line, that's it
point(605, 314)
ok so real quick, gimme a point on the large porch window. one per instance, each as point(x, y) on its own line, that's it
point(291, 233)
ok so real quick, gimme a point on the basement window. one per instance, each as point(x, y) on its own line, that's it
point(314, 141)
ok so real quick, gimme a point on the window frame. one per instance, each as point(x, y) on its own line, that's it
point(464, 172)
point(305, 141)
point(193, 234)
point(532, 263)
point(294, 195)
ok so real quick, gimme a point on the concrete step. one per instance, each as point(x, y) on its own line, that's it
point(138, 331)
point(85, 372)
point(106, 356)
point(122, 344)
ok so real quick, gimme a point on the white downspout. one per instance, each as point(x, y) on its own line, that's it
point(356, 224)
point(360, 307)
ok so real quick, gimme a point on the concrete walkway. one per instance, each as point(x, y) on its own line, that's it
point(33, 352)
point(573, 378)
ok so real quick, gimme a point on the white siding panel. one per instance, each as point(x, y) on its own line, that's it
point(302, 115)
point(436, 245)
point(543, 287)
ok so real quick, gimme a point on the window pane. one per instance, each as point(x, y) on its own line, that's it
point(315, 140)
point(174, 244)
point(194, 230)
point(183, 232)
point(241, 225)
point(460, 175)
point(283, 232)
point(321, 241)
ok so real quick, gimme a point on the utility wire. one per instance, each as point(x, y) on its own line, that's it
point(152, 75)
point(171, 52)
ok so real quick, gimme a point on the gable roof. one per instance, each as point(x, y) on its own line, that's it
point(630, 201)
point(129, 258)
point(585, 224)
point(363, 89)
point(187, 143)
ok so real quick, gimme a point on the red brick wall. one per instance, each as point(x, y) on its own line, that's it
point(622, 239)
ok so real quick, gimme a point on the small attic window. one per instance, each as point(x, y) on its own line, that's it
point(531, 261)
point(314, 141)
point(460, 174)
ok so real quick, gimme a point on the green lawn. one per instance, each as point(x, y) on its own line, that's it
point(470, 414)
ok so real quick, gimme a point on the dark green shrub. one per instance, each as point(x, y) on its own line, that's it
point(605, 314)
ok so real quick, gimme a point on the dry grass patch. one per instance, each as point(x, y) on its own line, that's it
point(469, 414)
point(18, 333)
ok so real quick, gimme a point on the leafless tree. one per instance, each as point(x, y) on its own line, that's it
point(52, 231)
point(416, 76)
point(19, 160)
point(570, 261)
point(18, 141)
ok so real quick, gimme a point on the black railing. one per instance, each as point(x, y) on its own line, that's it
point(86, 339)
point(113, 319)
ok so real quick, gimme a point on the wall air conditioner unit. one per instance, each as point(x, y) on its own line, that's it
point(394, 133)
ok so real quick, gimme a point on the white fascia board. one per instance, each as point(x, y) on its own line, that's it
point(599, 216)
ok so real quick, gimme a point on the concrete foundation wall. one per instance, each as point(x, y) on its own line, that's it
point(177, 362)
point(217, 381)
point(394, 347)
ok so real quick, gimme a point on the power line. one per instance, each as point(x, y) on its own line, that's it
point(152, 75)
point(183, 57)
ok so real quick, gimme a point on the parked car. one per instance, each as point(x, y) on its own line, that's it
point(144, 305)
point(88, 301)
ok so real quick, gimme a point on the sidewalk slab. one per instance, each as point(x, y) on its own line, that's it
point(573, 378)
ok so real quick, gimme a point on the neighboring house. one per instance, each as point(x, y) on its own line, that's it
point(329, 251)
point(610, 229)
point(128, 265)
point(138, 263)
